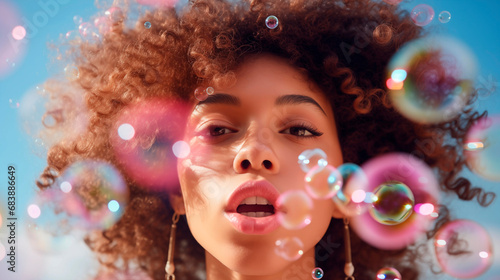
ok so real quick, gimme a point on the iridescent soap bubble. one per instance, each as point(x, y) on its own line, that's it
point(200, 94)
point(317, 273)
point(482, 147)
point(430, 79)
point(388, 273)
point(272, 22)
point(289, 248)
point(147, 24)
point(419, 178)
point(444, 17)
point(422, 14)
point(149, 155)
point(115, 14)
point(311, 158)
point(353, 198)
point(323, 182)
point(392, 203)
point(463, 249)
point(95, 192)
point(103, 24)
point(294, 209)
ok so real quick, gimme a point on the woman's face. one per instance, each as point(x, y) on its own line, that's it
point(245, 141)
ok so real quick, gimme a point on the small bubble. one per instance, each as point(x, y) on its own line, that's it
point(147, 24)
point(210, 90)
point(272, 22)
point(388, 273)
point(115, 14)
point(444, 16)
point(200, 94)
point(317, 273)
point(323, 182)
point(71, 72)
point(289, 248)
point(422, 14)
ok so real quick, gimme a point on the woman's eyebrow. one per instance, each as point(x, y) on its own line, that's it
point(293, 99)
point(221, 98)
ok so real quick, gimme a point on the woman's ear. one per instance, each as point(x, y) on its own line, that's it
point(177, 202)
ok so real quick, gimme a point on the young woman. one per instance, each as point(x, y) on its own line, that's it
point(258, 94)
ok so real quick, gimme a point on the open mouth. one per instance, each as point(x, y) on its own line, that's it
point(255, 206)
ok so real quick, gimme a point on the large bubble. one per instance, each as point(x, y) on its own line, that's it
point(463, 249)
point(294, 209)
point(430, 79)
point(422, 14)
point(144, 138)
point(352, 199)
point(419, 178)
point(482, 147)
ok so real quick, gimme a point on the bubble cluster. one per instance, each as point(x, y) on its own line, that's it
point(422, 14)
point(463, 249)
point(388, 273)
point(444, 17)
point(419, 178)
point(482, 147)
point(352, 198)
point(317, 273)
point(323, 182)
point(312, 158)
point(430, 79)
point(392, 203)
point(272, 22)
point(144, 140)
point(289, 248)
point(294, 209)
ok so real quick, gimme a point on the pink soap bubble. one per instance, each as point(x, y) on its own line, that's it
point(143, 139)
point(463, 249)
point(419, 178)
point(422, 14)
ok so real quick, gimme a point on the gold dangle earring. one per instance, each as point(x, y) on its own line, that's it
point(348, 268)
point(170, 267)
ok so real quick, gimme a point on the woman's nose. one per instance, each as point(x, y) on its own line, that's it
point(256, 154)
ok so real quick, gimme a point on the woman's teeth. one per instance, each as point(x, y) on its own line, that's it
point(255, 206)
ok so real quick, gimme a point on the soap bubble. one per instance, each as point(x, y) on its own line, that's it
point(353, 198)
point(482, 147)
point(200, 94)
point(311, 158)
point(71, 72)
point(463, 249)
point(444, 16)
point(430, 79)
point(93, 187)
point(294, 209)
point(147, 24)
point(422, 14)
point(392, 203)
point(323, 182)
point(317, 273)
point(289, 248)
point(388, 273)
point(149, 155)
point(114, 14)
point(419, 178)
point(272, 22)
point(103, 25)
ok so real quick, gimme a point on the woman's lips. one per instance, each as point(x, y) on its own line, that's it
point(252, 225)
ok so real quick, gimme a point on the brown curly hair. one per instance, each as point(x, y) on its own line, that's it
point(343, 46)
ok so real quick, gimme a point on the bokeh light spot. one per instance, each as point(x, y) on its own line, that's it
point(126, 131)
point(19, 32)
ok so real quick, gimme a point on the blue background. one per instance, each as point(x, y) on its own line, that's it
point(474, 22)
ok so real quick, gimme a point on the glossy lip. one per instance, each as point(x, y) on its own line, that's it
point(252, 225)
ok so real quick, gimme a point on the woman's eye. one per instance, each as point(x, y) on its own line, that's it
point(219, 130)
point(301, 131)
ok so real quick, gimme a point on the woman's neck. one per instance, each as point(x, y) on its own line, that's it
point(300, 269)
